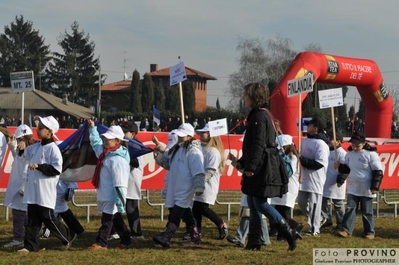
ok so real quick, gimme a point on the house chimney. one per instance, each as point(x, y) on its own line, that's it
point(153, 67)
point(65, 99)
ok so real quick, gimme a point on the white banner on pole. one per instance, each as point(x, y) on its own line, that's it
point(331, 98)
point(218, 127)
point(177, 74)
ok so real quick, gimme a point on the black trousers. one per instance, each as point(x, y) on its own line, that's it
point(38, 215)
point(176, 213)
point(133, 217)
point(202, 209)
point(107, 222)
point(71, 221)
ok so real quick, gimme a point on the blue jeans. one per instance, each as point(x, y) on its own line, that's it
point(259, 206)
point(243, 229)
point(366, 206)
point(338, 208)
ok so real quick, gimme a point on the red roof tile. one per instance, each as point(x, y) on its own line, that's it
point(190, 72)
point(117, 86)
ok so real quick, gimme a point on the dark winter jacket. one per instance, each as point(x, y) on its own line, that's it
point(260, 155)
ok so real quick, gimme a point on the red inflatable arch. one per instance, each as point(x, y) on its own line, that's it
point(362, 73)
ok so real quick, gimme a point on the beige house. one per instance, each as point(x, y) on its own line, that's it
point(39, 103)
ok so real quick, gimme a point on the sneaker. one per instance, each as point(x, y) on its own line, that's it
point(23, 250)
point(26, 251)
point(137, 238)
point(235, 241)
point(45, 233)
point(96, 246)
point(315, 234)
point(113, 237)
point(369, 237)
point(222, 231)
point(14, 244)
point(342, 233)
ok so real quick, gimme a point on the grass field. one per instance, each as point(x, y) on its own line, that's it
point(211, 251)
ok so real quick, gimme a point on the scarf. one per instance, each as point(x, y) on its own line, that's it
point(96, 177)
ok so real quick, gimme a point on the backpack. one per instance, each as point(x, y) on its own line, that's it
point(287, 161)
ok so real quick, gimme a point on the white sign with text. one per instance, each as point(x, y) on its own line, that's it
point(331, 98)
point(300, 85)
point(22, 81)
point(177, 74)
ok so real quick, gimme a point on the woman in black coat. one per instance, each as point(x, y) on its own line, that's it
point(260, 166)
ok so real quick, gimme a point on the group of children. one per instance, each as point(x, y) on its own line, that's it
point(192, 182)
point(326, 168)
point(37, 195)
point(194, 167)
point(32, 189)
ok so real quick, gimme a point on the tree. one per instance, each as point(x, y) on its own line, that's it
point(259, 61)
point(351, 113)
point(136, 93)
point(22, 49)
point(218, 104)
point(172, 97)
point(188, 97)
point(147, 96)
point(159, 98)
point(74, 72)
point(361, 113)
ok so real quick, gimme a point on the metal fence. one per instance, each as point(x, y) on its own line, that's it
point(88, 199)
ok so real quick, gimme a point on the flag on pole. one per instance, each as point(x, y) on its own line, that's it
point(157, 116)
point(79, 159)
point(218, 127)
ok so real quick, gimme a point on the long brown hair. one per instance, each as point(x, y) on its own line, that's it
point(28, 139)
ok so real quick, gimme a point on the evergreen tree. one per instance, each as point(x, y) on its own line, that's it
point(74, 71)
point(351, 112)
point(362, 110)
point(147, 96)
point(188, 97)
point(159, 98)
point(172, 99)
point(218, 104)
point(136, 93)
point(22, 49)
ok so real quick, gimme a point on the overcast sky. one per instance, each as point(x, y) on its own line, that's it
point(134, 34)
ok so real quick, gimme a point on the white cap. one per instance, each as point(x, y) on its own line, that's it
point(242, 138)
point(172, 139)
point(50, 122)
point(284, 139)
point(205, 129)
point(23, 130)
point(115, 132)
point(185, 129)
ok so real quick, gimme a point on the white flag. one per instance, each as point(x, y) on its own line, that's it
point(218, 127)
